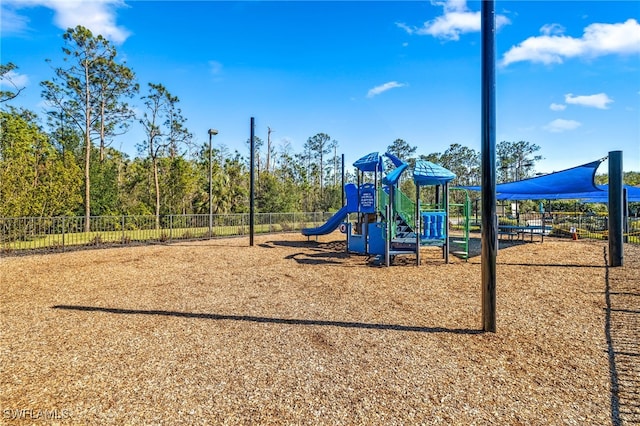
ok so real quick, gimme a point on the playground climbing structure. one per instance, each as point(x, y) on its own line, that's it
point(380, 220)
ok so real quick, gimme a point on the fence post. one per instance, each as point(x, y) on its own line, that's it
point(580, 226)
point(170, 228)
point(63, 226)
point(124, 237)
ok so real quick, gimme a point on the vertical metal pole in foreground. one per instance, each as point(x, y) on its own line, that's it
point(488, 167)
point(251, 183)
point(615, 209)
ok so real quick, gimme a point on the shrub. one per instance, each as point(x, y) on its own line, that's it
point(286, 226)
point(507, 221)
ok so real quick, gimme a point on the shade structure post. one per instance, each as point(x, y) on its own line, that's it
point(252, 182)
point(488, 168)
point(616, 255)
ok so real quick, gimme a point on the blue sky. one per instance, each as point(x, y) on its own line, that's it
point(366, 73)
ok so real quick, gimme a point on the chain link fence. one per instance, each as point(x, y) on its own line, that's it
point(29, 234)
point(563, 224)
point(33, 234)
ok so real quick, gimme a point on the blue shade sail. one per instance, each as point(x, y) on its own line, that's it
point(576, 183)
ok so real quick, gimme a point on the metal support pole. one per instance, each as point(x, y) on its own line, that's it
point(210, 188)
point(418, 225)
point(387, 240)
point(445, 190)
point(616, 254)
point(488, 168)
point(625, 215)
point(342, 181)
point(211, 132)
point(252, 184)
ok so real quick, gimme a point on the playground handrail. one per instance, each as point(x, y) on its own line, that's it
point(406, 208)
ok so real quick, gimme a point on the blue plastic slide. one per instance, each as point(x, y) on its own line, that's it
point(331, 224)
point(351, 192)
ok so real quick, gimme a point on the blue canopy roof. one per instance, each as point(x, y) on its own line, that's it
point(576, 183)
point(602, 196)
point(599, 196)
point(369, 163)
point(565, 184)
point(428, 173)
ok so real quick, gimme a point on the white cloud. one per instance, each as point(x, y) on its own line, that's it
point(405, 27)
point(600, 100)
point(557, 107)
point(552, 29)
point(597, 40)
point(457, 19)
point(383, 88)
point(559, 125)
point(17, 80)
point(215, 67)
point(97, 15)
point(11, 22)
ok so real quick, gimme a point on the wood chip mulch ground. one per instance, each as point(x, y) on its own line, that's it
point(292, 331)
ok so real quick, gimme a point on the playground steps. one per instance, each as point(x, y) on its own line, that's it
point(404, 241)
point(462, 244)
point(403, 229)
point(431, 242)
point(401, 252)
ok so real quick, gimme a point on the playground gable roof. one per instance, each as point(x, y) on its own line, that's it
point(428, 173)
point(369, 163)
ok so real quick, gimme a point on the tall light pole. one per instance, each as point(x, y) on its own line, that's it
point(212, 132)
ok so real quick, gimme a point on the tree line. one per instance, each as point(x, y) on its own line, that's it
point(64, 164)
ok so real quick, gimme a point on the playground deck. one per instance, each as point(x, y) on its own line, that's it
point(297, 332)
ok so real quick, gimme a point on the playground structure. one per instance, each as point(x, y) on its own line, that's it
point(388, 223)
